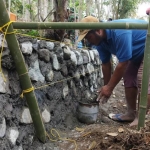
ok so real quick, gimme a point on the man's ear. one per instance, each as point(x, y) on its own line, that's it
point(98, 32)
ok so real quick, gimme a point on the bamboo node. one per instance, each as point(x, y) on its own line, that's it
point(127, 25)
point(144, 107)
point(23, 74)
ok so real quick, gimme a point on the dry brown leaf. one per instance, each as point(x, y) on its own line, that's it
point(92, 145)
point(120, 130)
point(112, 134)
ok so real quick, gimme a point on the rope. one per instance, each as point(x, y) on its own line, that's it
point(26, 91)
point(41, 38)
point(32, 88)
point(59, 138)
point(46, 85)
point(5, 33)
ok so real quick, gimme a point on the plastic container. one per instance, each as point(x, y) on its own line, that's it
point(87, 113)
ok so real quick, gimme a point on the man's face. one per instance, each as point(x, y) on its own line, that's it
point(94, 37)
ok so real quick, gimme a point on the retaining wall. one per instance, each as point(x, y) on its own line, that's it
point(64, 75)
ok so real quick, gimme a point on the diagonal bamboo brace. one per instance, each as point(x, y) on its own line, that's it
point(23, 74)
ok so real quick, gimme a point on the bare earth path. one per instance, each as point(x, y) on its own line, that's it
point(107, 134)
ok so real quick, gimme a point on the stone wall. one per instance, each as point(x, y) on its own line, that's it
point(72, 75)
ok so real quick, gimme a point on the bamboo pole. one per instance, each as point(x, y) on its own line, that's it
point(23, 74)
point(78, 25)
point(145, 82)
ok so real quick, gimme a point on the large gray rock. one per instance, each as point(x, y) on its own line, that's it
point(46, 116)
point(35, 73)
point(64, 70)
point(60, 54)
point(91, 55)
point(26, 117)
point(12, 134)
point(97, 57)
point(67, 53)
point(42, 44)
point(90, 68)
point(86, 53)
point(44, 54)
point(56, 64)
point(2, 127)
point(1, 41)
point(18, 148)
point(26, 48)
point(4, 82)
point(49, 76)
point(79, 58)
point(50, 45)
point(35, 46)
point(77, 76)
point(73, 58)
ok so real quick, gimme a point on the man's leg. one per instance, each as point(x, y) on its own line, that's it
point(135, 122)
point(131, 91)
point(131, 97)
point(139, 76)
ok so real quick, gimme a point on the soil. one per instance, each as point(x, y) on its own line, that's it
point(106, 134)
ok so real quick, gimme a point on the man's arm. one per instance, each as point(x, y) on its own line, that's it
point(106, 90)
point(117, 75)
point(106, 69)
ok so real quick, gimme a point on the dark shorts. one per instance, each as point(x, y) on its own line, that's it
point(133, 76)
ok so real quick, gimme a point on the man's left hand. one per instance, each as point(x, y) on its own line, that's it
point(103, 94)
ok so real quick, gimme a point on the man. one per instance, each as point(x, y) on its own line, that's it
point(128, 46)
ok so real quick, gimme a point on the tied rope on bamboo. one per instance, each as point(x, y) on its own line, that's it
point(6, 27)
point(32, 88)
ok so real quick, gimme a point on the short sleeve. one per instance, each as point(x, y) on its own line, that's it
point(123, 44)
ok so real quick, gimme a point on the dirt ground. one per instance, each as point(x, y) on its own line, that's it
point(106, 134)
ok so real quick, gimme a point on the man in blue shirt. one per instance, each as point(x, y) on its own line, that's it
point(128, 46)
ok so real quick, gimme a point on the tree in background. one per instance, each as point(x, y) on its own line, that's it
point(56, 10)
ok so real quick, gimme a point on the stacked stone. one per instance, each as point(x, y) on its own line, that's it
point(72, 75)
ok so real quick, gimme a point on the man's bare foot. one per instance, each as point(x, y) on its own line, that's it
point(122, 117)
point(134, 123)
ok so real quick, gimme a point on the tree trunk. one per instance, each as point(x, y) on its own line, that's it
point(27, 12)
point(60, 10)
point(80, 10)
point(60, 15)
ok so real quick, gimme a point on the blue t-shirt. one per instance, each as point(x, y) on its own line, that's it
point(126, 44)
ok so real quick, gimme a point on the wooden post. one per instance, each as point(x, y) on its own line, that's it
point(23, 74)
point(145, 81)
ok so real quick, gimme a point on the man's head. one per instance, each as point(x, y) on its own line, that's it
point(93, 36)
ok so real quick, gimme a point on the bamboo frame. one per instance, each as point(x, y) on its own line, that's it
point(78, 25)
point(145, 82)
point(25, 81)
point(23, 74)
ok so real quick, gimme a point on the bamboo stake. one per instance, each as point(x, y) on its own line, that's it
point(78, 25)
point(145, 82)
point(23, 74)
